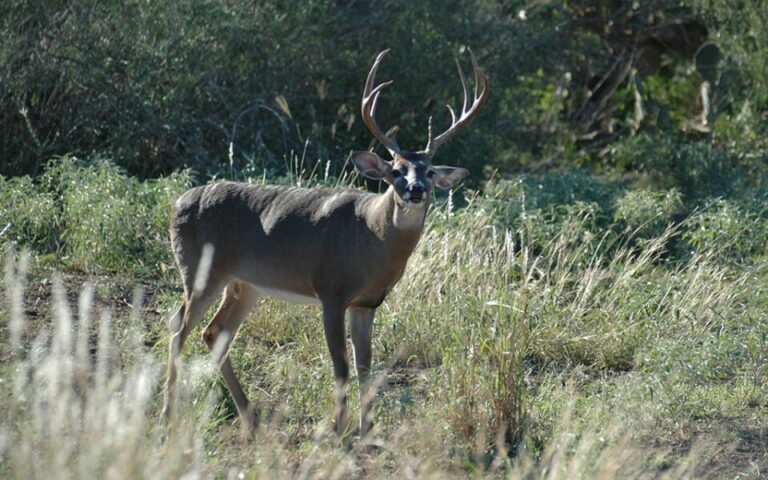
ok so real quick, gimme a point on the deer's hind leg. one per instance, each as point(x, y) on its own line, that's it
point(238, 300)
point(195, 304)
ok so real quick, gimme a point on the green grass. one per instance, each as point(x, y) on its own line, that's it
point(91, 216)
point(554, 326)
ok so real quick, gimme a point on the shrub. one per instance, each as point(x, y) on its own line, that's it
point(179, 83)
point(728, 230)
point(113, 222)
point(646, 211)
point(29, 216)
point(540, 208)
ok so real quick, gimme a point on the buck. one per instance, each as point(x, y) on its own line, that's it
point(341, 249)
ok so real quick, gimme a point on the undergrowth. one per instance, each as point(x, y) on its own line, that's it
point(555, 326)
point(91, 216)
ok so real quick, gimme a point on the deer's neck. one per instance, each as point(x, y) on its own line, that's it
point(397, 224)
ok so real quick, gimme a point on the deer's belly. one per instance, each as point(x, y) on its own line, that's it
point(288, 296)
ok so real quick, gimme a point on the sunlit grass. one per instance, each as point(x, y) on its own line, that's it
point(520, 343)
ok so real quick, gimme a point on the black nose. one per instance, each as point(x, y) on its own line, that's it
point(416, 189)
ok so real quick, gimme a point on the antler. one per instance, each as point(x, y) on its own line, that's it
point(370, 97)
point(466, 115)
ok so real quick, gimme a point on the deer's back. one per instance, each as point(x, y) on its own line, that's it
point(309, 242)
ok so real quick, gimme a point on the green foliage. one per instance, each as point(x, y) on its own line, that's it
point(648, 212)
point(179, 83)
point(158, 86)
point(113, 222)
point(541, 205)
point(697, 169)
point(29, 217)
point(92, 215)
point(740, 33)
point(553, 316)
point(728, 230)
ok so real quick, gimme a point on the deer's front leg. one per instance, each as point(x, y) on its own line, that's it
point(361, 330)
point(333, 324)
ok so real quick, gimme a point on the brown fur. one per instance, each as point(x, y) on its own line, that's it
point(308, 242)
point(342, 249)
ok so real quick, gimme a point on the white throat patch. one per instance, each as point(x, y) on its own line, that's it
point(411, 216)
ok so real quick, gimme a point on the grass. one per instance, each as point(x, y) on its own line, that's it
point(536, 334)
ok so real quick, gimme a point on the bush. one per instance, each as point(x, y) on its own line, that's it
point(92, 214)
point(699, 170)
point(728, 230)
point(28, 215)
point(646, 211)
point(540, 208)
point(179, 83)
point(113, 222)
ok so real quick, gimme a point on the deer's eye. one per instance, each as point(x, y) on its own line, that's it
point(430, 173)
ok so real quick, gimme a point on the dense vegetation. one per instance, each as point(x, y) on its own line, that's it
point(596, 298)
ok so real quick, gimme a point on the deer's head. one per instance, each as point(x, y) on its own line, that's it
point(412, 174)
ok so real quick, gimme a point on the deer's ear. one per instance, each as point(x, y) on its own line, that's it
point(371, 165)
point(449, 177)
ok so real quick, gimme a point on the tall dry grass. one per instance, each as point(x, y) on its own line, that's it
point(534, 359)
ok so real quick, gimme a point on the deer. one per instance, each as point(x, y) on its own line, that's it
point(341, 249)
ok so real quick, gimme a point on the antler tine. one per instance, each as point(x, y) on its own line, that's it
point(368, 107)
point(372, 75)
point(464, 87)
point(453, 114)
point(467, 114)
point(477, 70)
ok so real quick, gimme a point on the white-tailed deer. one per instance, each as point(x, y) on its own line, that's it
point(340, 249)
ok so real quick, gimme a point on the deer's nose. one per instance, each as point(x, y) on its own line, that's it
point(416, 192)
point(416, 188)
